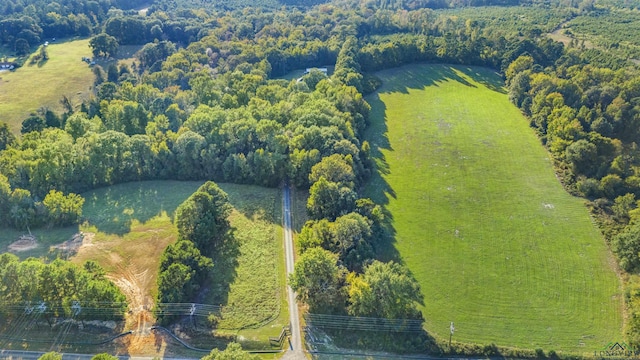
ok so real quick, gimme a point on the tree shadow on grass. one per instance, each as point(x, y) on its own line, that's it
point(402, 80)
point(113, 209)
point(254, 201)
point(378, 188)
point(225, 264)
point(417, 76)
point(490, 79)
point(42, 62)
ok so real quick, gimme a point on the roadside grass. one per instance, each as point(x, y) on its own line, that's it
point(249, 273)
point(480, 219)
point(33, 86)
point(299, 209)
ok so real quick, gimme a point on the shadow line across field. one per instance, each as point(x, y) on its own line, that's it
point(402, 81)
point(413, 78)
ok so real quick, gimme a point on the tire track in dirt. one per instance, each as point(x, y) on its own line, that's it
point(136, 285)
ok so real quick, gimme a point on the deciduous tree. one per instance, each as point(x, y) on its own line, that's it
point(384, 290)
point(232, 352)
point(318, 281)
point(203, 217)
point(63, 210)
point(103, 45)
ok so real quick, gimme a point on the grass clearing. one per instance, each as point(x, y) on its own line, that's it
point(132, 224)
point(298, 73)
point(497, 245)
point(36, 85)
point(127, 228)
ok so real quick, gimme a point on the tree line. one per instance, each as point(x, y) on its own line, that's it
point(58, 284)
point(186, 265)
point(20, 210)
point(337, 272)
point(26, 23)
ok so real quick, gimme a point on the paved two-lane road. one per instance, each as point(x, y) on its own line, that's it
point(295, 350)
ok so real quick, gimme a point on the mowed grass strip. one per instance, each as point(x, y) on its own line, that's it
point(133, 224)
point(497, 245)
point(36, 85)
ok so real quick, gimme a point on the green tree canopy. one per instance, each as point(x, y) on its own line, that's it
point(6, 136)
point(104, 356)
point(32, 123)
point(627, 247)
point(51, 356)
point(335, 168)
point(63, 210)
point(349, 236)
point(319, 281)
point(103, 45)
point(175, 285)
point(384, 290)
point(232, 352)
point(185, 252)
point(329, 200)
point(203, 217)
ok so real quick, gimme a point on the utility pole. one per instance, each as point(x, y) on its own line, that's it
point(452, 329)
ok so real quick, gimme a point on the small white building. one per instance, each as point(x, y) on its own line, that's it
point(308, 70)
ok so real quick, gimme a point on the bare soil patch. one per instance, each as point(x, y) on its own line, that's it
point(131, 262)
point(560, 34)
point(71, 246)
point(25, 243)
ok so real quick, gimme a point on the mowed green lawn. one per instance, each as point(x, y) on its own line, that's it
point(36, 85)
point(497, 245)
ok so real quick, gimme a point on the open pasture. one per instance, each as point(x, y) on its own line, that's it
point(480, 218)
point(43, 84)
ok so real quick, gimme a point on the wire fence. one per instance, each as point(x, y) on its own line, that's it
point(75, 309)
point(363, 323)
point(187, 309)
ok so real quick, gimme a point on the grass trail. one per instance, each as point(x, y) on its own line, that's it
point(497, 245)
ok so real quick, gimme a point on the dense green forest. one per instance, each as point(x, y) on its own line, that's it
point(204, 101)
point(27, 23)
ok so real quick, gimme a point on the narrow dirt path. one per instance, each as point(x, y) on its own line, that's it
point(134, 284)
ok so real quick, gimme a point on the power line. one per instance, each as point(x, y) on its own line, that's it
point(363, 323)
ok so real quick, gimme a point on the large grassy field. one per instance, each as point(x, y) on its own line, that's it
point(36, 85)
point(497, 245)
